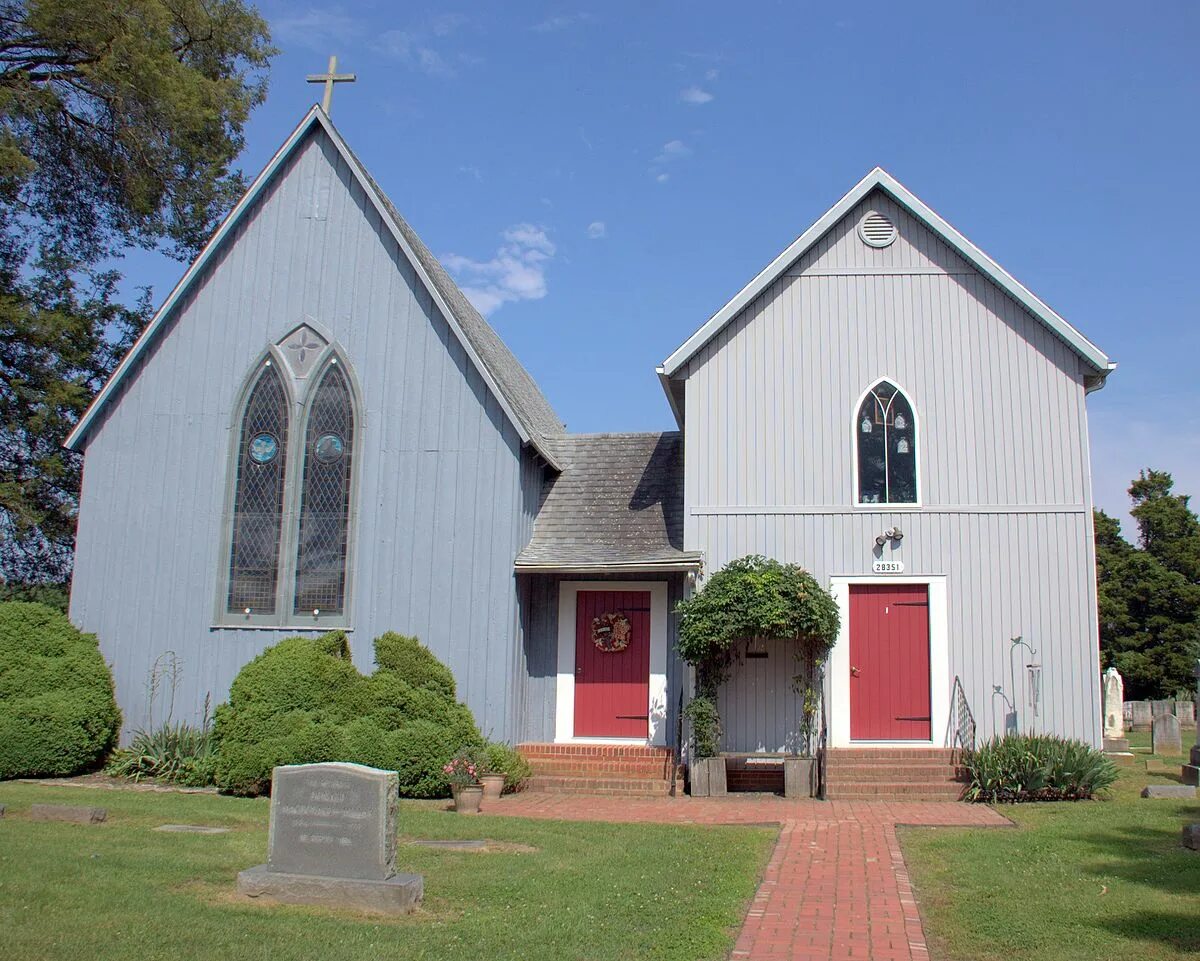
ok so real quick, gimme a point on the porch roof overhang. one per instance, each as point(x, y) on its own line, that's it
point(683, 561)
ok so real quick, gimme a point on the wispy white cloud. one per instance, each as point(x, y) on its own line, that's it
point(415, 47)
point(315, 27)
point(663, 178)
point(711, 74)
point(516, 272)
point(473, 172)
point(695, 95)
point(561, 22)
point(673, 150)
point(597, 230)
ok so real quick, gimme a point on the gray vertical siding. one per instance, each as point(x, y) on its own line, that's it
point(443, 492)
point(1003, 451)
point(539, 599)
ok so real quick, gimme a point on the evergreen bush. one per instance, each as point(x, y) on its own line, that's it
point(1036, 767)
point(58, 714)
point(302, 701)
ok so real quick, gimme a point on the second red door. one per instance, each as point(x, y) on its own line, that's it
point(889, 663)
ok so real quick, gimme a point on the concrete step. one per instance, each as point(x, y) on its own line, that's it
point(617, 787)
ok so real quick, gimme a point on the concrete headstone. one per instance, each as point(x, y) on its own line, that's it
point(1139, 715)
point(332, 840)
point(1191, 836)
point(1164, 735)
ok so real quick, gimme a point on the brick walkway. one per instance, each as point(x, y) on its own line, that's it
point(836, 887)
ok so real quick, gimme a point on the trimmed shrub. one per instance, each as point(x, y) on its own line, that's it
point(303, 701)
point(58, 714)
point(413, 661)
point(500, 758)
point(1036, 767)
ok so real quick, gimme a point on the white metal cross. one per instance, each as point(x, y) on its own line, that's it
point(329, 78)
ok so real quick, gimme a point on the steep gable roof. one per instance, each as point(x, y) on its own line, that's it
point(515, 390)
point(880, 179)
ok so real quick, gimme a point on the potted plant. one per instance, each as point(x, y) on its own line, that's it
point(462, 772)
point(490, 780)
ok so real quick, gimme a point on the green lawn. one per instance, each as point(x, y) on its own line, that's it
point(599, 891)
point(1089, 881)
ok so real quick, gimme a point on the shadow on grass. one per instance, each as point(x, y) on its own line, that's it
point(1178, 930)
point(1150, 856)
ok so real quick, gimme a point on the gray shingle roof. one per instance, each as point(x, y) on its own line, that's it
point(617, 502)
point(520, 391)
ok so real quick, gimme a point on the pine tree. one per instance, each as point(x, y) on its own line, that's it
point(119, 124)
point(1149, 594)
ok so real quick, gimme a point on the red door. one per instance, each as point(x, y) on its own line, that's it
point(612, 687)
point(889, 663)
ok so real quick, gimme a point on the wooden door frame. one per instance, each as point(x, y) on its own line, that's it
point(939, 660)
point(564, 714)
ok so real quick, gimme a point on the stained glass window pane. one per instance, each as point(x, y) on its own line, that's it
point(325, 498)
point(902, 453)
point(258, 498)
point(887, 447)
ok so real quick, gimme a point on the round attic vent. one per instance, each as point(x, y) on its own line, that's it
point(875, 229)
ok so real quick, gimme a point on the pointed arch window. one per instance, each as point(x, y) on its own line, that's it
point(325, 497)
point(885, 433)
point(259, 491)
point(286, 560)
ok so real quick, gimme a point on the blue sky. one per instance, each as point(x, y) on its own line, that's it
point(604, 178)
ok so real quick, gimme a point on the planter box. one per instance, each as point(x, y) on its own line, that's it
point(708, 777)
point(799, 776)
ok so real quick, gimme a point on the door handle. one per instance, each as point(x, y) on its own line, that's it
point(854, 671)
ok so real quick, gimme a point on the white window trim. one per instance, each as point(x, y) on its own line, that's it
point(939, 661)
point(564, 718)
point(918, 435)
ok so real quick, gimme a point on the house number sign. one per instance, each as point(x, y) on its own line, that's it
point(888, 567)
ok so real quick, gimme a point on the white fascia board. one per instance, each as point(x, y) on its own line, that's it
point(75, 439)
point(880, 178)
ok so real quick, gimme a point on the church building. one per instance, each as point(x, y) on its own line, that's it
point(318, 430)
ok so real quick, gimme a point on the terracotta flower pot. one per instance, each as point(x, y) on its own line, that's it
point(493, 786)
point(467, 799)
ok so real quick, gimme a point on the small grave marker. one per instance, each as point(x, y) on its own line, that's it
point(1169, 791)
point(191, 829)
point(1191, 836)
point(1164, 735)
point(67, 812)
point(332, 840)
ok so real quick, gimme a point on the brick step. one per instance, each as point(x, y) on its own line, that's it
point(906, 790)
point(578, 767)
point(857, 754)
point(618, 787)
point(624, 751)
point(749, 779)
point(894, 772)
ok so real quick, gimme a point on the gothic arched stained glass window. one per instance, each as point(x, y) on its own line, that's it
point(325, 496)
point(886, 442)
point(259, 497)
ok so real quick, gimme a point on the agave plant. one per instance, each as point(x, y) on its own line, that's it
point(1037, 767)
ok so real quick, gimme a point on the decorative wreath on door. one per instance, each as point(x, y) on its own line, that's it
point(611, 632)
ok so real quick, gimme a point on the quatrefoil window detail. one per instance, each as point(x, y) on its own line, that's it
point(302, 347)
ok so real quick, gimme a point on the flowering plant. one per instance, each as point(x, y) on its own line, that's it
point(464, 769)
